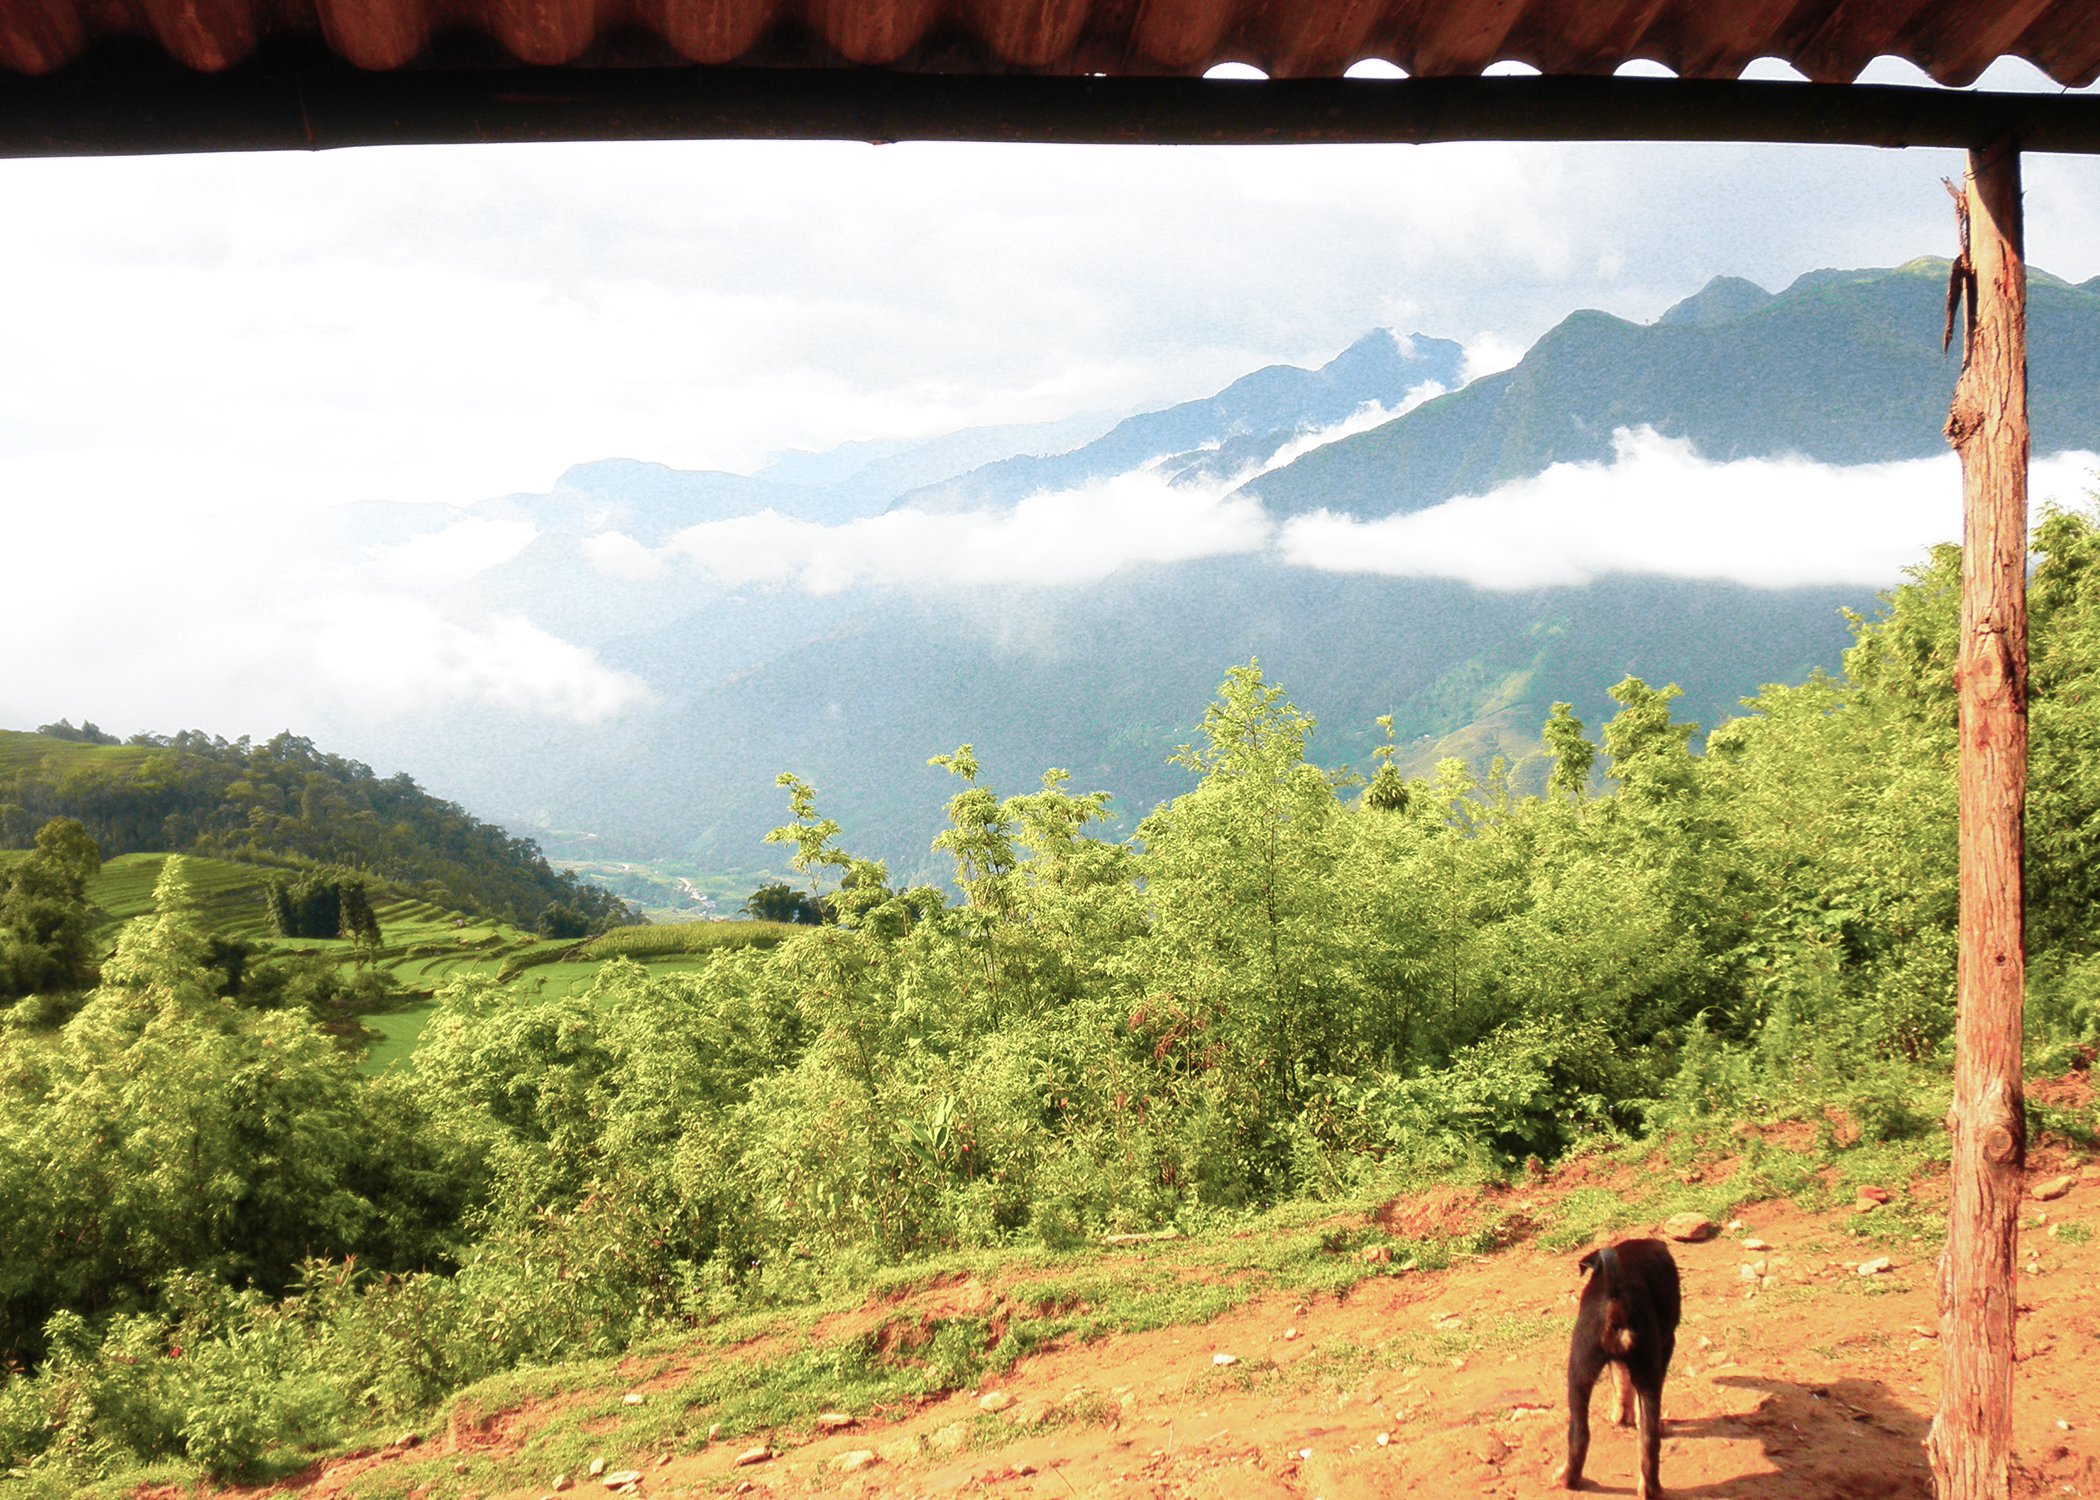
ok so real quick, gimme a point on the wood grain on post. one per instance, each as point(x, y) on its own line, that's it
point(1971, 1440)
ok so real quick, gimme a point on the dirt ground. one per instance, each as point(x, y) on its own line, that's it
point(1808, 1382)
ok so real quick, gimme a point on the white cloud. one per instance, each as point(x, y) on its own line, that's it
point(1488, 354)
point(1071, 537)
point(392, 654)
point(1363, 419)
point(618, 555)
point(1660, 508)
point(262, 620)
point(468, 546)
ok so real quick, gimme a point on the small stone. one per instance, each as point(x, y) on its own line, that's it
point(663, 1460)
point(751, 1456)
point(1224, 1359)
point(1378, 1255)
point(1459, 1363)
point(949, 1439)
point(1752, 1270)
point(1736, 1226)
point(1305, 1453)
point(1871, 1198)
point(597, 1467)
point(1875, 1266)
point(2054, 1188)
point(858, 1459)
point(714, 1431)
point(1289, 1334)
point(633, 1398)
point(1924, 1332)
point(562, 1482)
point(1754, 1243)
point(2062, 1425)
point(1690, 1229)
point(834, 1421)
point(623, 1479)
point(994, 1401)
point(1383, 1439)
point(1450, 1324)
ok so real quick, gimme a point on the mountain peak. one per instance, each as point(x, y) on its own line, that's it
point(1379, 351)
point(1382, 363)
point(1722, 300)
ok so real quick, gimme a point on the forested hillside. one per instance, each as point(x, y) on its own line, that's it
point(280, 802)
point(230, 1248)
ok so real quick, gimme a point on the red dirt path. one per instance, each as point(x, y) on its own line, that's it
point(1814, 1383)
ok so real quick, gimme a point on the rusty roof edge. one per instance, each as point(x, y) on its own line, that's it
point(130, 105)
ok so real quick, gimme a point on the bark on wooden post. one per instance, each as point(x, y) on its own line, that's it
point(1971, 1441)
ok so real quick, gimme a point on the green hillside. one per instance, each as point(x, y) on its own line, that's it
point(285, 803)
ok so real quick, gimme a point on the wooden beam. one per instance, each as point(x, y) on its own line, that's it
point(293, 98)
point(1971, 1441)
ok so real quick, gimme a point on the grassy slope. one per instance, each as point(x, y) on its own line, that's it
point(1436, 1317)
point(21, 750)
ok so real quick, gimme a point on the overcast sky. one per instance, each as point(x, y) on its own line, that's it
point(192, 336)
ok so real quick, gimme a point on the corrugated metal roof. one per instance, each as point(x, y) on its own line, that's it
point(1829, 40)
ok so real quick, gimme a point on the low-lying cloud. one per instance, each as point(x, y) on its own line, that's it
point(1363, 419)
point(1057, 538)
point(1659, 508)
point(1070, 537)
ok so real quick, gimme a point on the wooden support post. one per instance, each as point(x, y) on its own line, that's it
point(1971, 1441)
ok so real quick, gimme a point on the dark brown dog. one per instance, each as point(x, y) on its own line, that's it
point(1628, 1320)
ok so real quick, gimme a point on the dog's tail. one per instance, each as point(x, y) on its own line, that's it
point(1605, 1263)
point(1616, 1336)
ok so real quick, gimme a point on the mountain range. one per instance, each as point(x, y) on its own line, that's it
point(854, 685)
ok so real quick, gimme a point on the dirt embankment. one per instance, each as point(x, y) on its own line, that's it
point(1796, 1378)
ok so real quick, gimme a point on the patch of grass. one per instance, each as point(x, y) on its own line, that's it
point(685, 938)
point(399, 1032)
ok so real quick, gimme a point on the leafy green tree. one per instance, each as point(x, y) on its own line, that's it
point(1240, 877)
point(1648, 753)
point(561, 920)
point(780, 902)
point(1388, 789)
point(1572, 753)
point(815, 838)
point(44, 914)
point(361, 925)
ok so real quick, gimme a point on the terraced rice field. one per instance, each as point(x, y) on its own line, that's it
point(425, 945)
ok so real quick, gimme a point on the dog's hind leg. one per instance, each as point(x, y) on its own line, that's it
point(1623, 1379)
point(1584, 1366)
point(1650, 1405)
